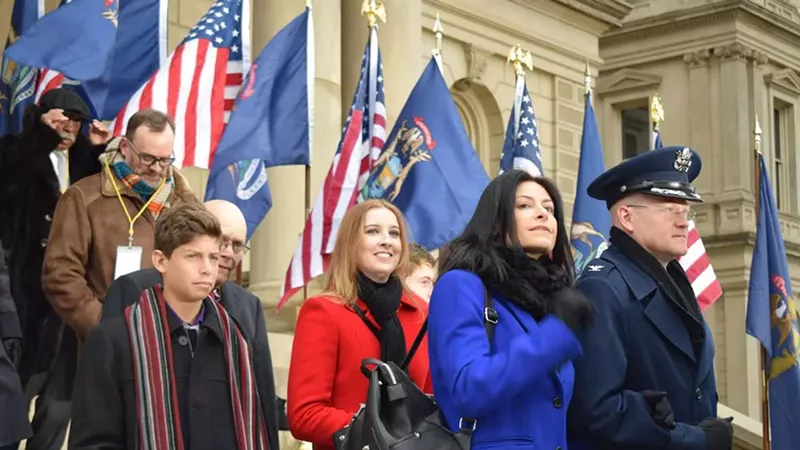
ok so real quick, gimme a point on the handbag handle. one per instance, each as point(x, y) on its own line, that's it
point(383, 369)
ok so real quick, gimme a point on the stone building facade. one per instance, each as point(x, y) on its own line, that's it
point(715, 63)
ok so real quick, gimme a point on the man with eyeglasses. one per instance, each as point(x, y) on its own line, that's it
point(242, 305)
point(646, 378)
point(104, 224)
point(36, 167)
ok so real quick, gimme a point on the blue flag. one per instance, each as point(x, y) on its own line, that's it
point(270, 124)
point(772, 319)
point(428, 167)
point(590, 219)
point(657, 142)
point(17, 81)
point(110, 46)
point(521, 147)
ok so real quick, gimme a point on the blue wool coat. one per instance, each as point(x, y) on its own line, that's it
point(519, 389)
point(638, 343)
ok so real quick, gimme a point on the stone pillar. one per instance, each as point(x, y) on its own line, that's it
point(736, 122)
point(400, 40)
point(276, 238)
point(700, 120)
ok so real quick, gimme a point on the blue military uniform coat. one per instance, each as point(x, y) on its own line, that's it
point(637, 343)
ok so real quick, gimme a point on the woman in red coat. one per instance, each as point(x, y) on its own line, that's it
point(326, 386)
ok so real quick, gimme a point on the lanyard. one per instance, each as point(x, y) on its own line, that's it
point(125, 208)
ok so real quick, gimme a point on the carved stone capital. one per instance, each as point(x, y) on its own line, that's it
point(739, 51)
point(477, 61)
point(760, 58)
point(736, 50)
point(698, 58)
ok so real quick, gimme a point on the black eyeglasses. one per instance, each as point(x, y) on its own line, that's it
point(238, 247)
point(149, 160)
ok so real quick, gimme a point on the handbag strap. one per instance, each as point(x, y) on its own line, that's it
point(490, 319)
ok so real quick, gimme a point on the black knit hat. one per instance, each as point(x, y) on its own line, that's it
point(67, 100)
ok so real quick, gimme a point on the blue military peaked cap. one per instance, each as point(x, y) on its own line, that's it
point(665, 172)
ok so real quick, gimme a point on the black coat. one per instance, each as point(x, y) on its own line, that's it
point(104, 405)
point(14, 425)
point(29, 192)
point(244, 307)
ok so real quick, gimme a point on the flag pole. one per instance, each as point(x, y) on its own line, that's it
point(437, 51)
point(765, 441)
point(587, 79)
point(307, 196)
point(656, 115)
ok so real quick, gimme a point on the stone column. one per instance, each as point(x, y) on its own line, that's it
point(736, 122)
point(276, 238)
point(400, 40)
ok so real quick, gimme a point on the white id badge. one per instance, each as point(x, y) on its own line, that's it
point(129, 259)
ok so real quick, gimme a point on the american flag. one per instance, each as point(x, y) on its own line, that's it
point(695, 262)
point(363, 137)
point(197, 86)
point(48, 79)
point(521, 147)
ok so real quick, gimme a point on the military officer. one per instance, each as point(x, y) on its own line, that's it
point(646, 378)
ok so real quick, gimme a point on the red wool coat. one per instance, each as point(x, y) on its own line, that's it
point(326, 385)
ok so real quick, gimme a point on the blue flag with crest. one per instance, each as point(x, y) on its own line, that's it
point(110, 46)
point(270, 124)
point(428, 168)
point(772, 319)
point(590, 219)
point(17, 81)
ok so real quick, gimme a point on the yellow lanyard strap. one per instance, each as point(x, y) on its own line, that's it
point(125, 208)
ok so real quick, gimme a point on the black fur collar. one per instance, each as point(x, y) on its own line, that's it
point(532, 284)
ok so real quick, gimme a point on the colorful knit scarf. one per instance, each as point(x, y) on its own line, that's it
point(134, 182)
point(154, 377)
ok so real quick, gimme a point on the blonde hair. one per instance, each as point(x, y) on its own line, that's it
point(343, 268)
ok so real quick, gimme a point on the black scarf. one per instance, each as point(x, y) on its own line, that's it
point(383, 300)
point(535, 285)
point(672, 280)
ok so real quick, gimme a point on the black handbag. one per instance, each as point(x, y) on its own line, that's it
point(397, 414)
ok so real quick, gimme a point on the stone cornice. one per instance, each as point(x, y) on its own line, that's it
point(775, 14)
point(608, 11)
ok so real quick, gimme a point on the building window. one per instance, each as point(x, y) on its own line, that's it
point(635, 131)
point(782, 153)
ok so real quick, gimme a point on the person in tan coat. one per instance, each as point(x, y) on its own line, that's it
point(108, 219)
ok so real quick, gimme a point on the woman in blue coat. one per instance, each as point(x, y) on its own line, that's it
point(501, 364)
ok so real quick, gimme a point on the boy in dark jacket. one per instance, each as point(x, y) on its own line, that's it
point(175, 372)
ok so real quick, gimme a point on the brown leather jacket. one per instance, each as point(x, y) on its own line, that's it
point(88, 226)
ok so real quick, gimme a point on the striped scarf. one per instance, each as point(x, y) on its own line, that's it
point(135, 183)
point(154, 374)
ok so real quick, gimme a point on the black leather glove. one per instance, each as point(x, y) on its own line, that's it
point(574, 309)
point(719, 433)
point(660, 409)
point(13, 349)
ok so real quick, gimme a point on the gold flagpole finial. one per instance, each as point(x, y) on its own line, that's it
point(656, 110)
point(587, 77)
point(520, 57)
point(374, 11)
point(757, 136)
point(439, 30)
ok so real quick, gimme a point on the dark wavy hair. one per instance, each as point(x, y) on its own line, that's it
point(493, 224)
